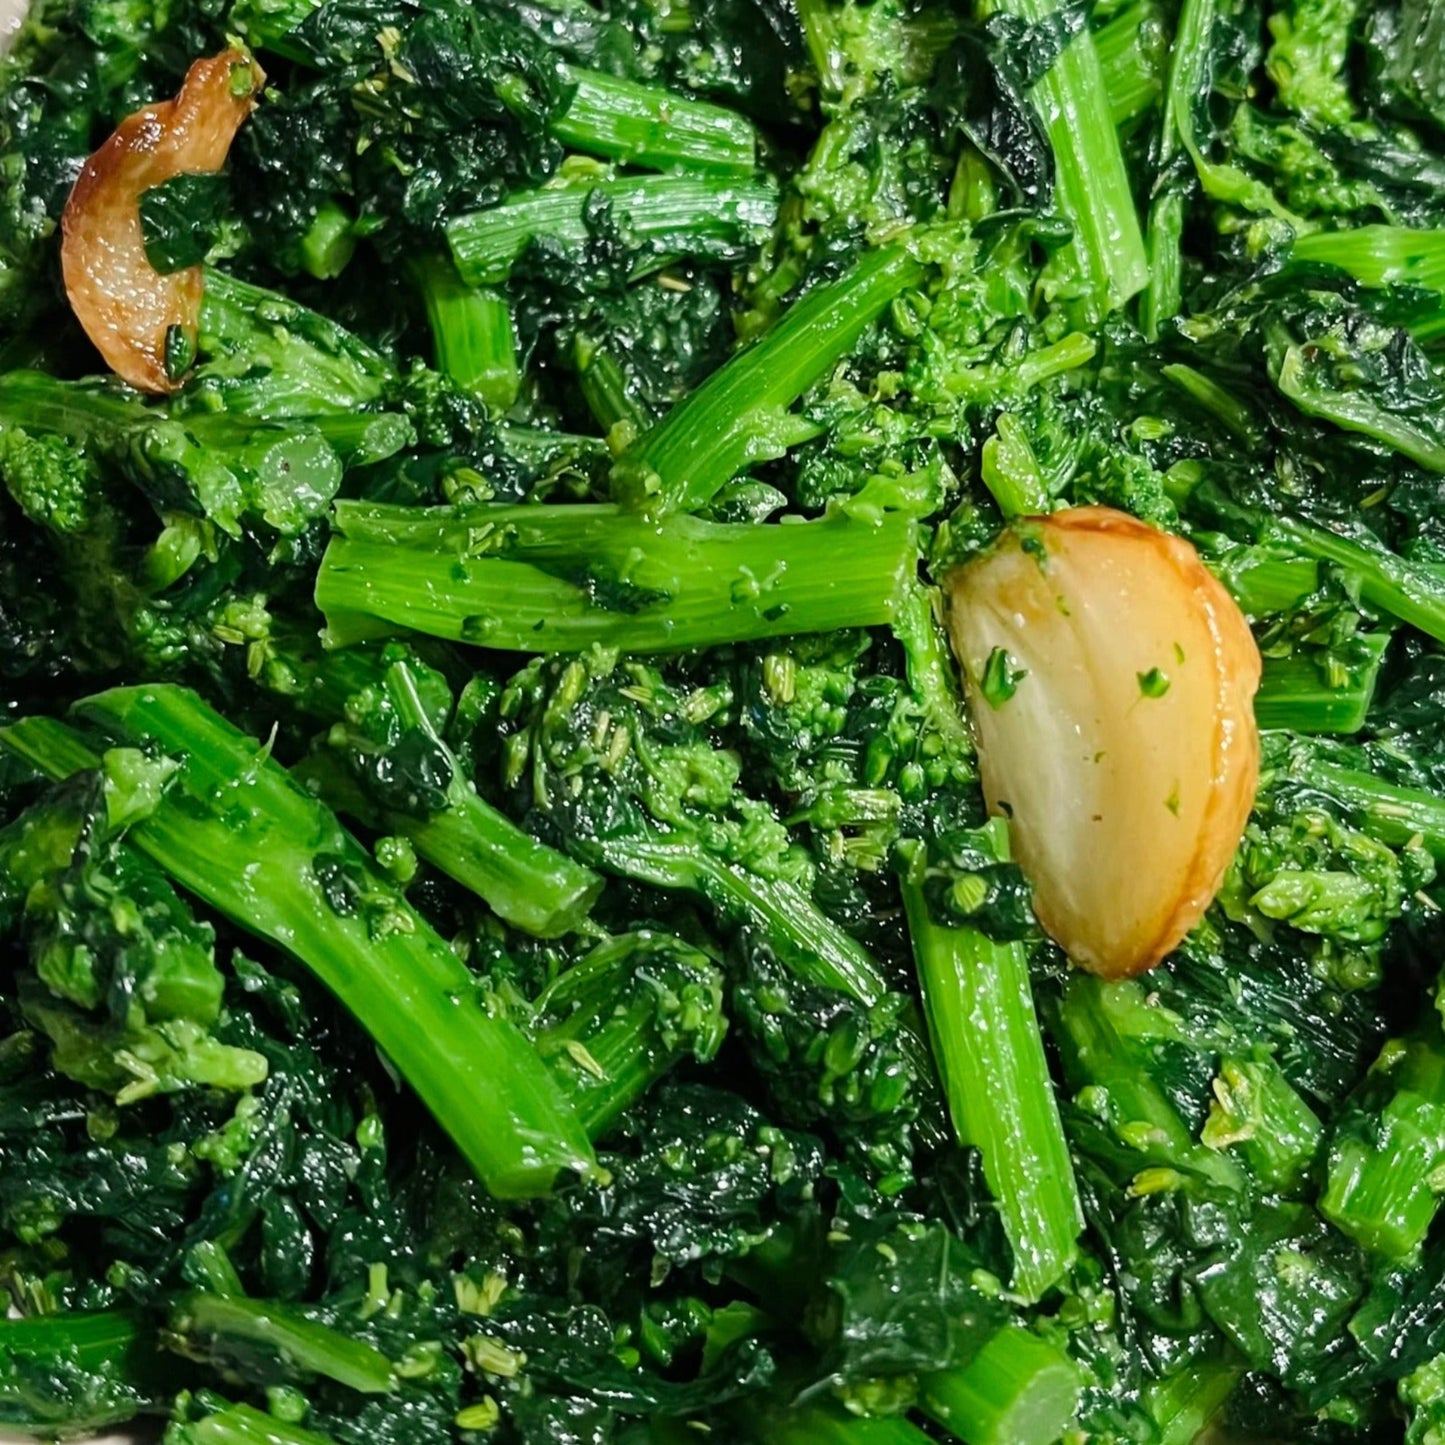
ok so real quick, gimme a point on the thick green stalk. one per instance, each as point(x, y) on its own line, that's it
point(1093, 185)
point(471, 332)
point(643, 125)
point(1382, 1185)
point(670, 215)
point(241, 1425)
point(240, 834)
point(204, 1325)
point(1292, 693)
point(1387, 812)
point(990, 1054)
point(562, 578)
point(1018, 1390)
point(741, 414)
point(77, 1372)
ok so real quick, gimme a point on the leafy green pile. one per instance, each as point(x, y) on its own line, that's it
point(503, 937)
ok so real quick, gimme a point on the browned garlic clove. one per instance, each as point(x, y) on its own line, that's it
point(128, 309)
point(1110, 680)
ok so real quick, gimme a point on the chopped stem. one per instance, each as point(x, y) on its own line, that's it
point(1389, 813)
point(1292, 693)
point(1093, 183)
point(1378, 255)
point(990, 1054)
point(471, 331)
point(740, 415)
point(1185, 1403)
point(560, 579)
point(1011, 471)
point(644, 125)
point(1131, 52)
point(1382, 1182)
point(1017, 1390)
point(1407, 590)
point(670, 215)
point(205, 1322)
point(242, 1425)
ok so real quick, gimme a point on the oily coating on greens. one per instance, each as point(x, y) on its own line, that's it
point(504, 941)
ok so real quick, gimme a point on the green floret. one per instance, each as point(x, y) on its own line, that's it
point(51, 481)
point(387, 713)
point(124, 983)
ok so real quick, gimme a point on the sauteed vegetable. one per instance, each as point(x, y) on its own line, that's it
point(723, 720)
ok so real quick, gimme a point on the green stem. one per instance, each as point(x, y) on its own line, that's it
point(1131, 51)
point(1293, 694)
point(1184, 1404)
point(1018, 1390)
point(669, 215)
point(1407, 590)
point(529, 885)
point(623, 1016)
point(1378, 255)
point(990, 1054)
point(1354, 410)
point(1011, 471)
point(1388, 813)
point(1093, 184)
point(203, 1325)
point(1382, 1181)
point(241, 835)
point(644, 125)
point(1105, 1032)
point(241, 1425)
point(471, 332)
point(560, 579)
point(297, 361)
point(740, 415)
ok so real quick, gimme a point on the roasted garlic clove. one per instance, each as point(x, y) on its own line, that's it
point(1110, 681)
point(128, 309)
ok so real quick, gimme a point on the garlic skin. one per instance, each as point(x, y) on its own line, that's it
point(1110, 679)
point(125, 305)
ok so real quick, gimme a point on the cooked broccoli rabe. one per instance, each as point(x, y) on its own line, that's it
point(589, 404)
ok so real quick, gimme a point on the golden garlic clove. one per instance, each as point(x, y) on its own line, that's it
point(1110, 680)
point(128, 309)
